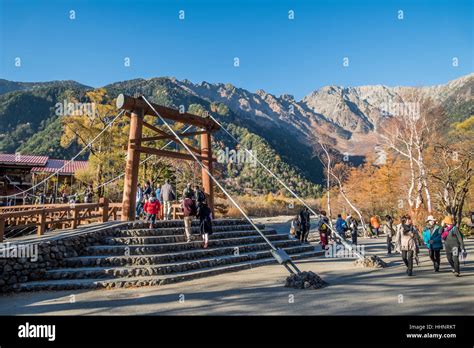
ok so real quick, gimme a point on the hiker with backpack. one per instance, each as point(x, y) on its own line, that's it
point(167, 196)
point(152, 209)
point(189, 211)
point(454, 243)
point(305, 224)
point(323, 228)
point(341, 227)
point(199, 196)
point(352, 224)
point(406, 237)
point(432, 238)
point(205, 222)
point(389, 232)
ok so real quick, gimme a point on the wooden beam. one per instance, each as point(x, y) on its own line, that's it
point(165, 153)
point(129, 103)
point(150, 126)
point(192, 148)
point(171, 136)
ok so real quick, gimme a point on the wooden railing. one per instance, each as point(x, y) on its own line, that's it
point(57, 215)
point(51, 216)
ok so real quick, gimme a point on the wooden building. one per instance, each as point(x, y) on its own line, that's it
point(20, 172)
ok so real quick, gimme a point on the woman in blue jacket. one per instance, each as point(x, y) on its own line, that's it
point(432, 238)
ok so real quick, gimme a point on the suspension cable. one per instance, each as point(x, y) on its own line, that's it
point(347, 245)
point(275, 251)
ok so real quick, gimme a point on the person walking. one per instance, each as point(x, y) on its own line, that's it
point(64, 198)
point(139, 202)
point(188, 191)
point(205, 222)
point(375, 225)
point(189, 210)
point(152, 209)
point(341, 227)
point(305, 224)
point(454, 243)
point(147, 189)
point(88, 194)
point(199, 195)
point(158, 193)
point(398, 231)
point(389, 232)
point(352, 224)
point(323, 228)
point(432, 238)
point(167, 196)
point(42, 198)
point(295, 229)
point(407, 244)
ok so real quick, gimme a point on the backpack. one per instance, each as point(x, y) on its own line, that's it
point(172, 196)
point(201, 197)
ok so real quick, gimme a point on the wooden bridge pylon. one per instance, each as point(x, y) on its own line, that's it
point(136, 109)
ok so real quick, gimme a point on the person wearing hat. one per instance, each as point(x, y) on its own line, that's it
point(432, 237)
point(453, 241)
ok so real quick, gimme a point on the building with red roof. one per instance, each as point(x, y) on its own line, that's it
point(20, 172)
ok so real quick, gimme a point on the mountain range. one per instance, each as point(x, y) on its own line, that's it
point(345, 117)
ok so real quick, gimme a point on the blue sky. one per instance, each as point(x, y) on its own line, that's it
point(276, 54)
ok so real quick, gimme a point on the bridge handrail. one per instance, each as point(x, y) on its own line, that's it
point(46, 216)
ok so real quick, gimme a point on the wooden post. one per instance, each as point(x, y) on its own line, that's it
point(131, 168)
point(75, 219)
point(104, 208)
point(42, 223)
point(206, 151)
point(2, 229)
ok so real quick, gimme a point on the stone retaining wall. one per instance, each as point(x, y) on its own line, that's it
point(48, 254)
point(51, 253)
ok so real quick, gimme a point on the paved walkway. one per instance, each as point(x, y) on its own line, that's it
point(352, 291)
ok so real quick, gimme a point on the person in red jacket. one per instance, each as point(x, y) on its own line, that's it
point(152, 209)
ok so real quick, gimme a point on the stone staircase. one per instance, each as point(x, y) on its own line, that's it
point(134, 255)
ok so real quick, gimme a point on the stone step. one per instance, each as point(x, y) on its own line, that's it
point(173, 247)
point(109, 283)
point(181, 237)
point(153, 232)
point(140, 224)
point(122, 260)
point(166, 268)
